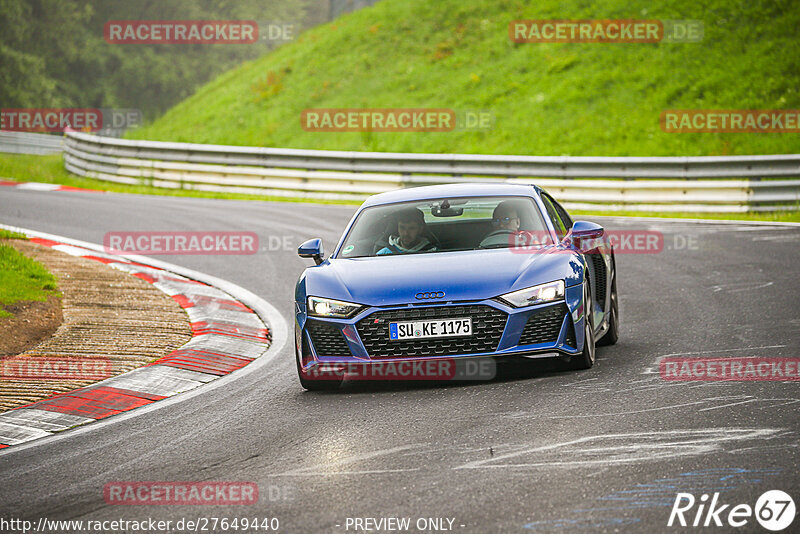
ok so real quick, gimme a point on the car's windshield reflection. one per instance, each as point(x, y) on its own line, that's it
point(445, 225)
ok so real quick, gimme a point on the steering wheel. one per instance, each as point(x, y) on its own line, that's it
point(497, 237)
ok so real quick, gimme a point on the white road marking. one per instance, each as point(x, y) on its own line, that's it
point(751, 399)
point(740, 399)
point(626, 448)
point(628, 413)
point(740, 286)
point(779, 237)
point(743, 399)
point(43, 419)
point(786, 403)
point(17, 432)
point(72, 251)
point(329, 467)
point(38, 186)
point(579, 382)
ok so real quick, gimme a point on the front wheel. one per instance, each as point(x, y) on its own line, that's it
point(612, 335)
point(316, 383)
point(585, 359)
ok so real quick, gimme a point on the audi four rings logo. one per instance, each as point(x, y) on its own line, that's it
point(430, 295)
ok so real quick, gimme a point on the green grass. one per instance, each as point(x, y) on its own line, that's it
point(8, 234)
point(21, 278)
point(778, 216)
point(580, 99)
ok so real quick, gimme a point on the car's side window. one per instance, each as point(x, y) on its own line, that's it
point(558, 224)
point(565, 218)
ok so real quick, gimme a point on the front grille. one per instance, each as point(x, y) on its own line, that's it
point(487, 327)
point(599, 280)
point(544, 326)
point(328, 339)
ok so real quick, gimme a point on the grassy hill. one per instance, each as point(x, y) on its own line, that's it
point(581, 99)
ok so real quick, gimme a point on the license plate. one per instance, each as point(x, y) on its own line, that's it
point(459, 326)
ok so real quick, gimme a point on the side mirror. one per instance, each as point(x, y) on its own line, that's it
point(311, 249)
point(585, 230)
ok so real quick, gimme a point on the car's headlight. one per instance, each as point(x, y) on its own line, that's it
point(529, 296)
point(337, 309)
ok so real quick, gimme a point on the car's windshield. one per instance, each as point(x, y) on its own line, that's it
point(442, 225)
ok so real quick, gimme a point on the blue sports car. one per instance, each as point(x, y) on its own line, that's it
point(454, 272)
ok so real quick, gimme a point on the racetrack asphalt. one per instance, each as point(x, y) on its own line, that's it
point(538, 449)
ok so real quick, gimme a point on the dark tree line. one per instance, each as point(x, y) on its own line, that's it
point(53, 53)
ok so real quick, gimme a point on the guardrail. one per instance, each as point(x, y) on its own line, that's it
point(709, 183)
point(30, 143)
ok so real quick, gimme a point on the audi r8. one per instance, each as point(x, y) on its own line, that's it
point(455, 272)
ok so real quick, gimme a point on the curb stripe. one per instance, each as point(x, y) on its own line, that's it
point(130, 393)
point(41, 186)
point(226, 336)
point(145, 277)
point(45, 242)
point(101, 260)
point(201, 361)
point(228, 329)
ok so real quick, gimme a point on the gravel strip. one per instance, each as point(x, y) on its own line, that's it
point(113, 320)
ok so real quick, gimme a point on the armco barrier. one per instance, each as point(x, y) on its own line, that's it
point(708, 183)
point(30, 143)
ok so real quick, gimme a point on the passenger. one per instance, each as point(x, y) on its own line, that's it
point(409, 236)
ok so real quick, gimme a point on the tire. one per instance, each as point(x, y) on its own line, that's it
point(314, 383)
point(612, 334)
point(585, 359)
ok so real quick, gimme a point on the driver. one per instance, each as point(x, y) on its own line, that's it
point(505, 217)
point(409, 238)
point(506, 222)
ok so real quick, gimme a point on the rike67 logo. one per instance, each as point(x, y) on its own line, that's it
point(774, 510)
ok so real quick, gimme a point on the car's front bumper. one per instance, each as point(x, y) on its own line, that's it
point(499, 330)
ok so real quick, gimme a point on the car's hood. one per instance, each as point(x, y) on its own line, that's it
point(468, 275)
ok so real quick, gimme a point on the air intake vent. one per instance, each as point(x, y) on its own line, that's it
point(328, 339)
point(544, 325)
